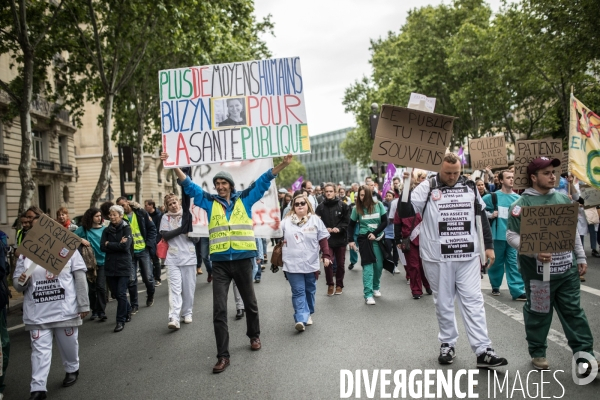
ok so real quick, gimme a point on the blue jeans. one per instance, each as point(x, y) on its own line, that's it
point(118, 287)
point(304, 288)
point(593, 238)
point(141, 259)
point(256, 269)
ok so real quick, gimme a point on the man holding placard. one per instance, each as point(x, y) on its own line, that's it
point(551, 278)
point(497, 205)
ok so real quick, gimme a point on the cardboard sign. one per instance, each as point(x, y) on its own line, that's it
point(233, 112)
point(49, 244)
point(421, 102)
point(548, 228)
point(488, 151)
point(265, 212)
point(527, 150)
point(590, 195)
point(412, 138)
point(564, 162)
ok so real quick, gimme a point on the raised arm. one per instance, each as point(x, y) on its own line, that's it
point(286, 161)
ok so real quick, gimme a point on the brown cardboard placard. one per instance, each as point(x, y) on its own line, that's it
point(564, 162)
point(527, 150)
point(548, 229)
point(488, 151)
point(49, 244)
point(412, 138)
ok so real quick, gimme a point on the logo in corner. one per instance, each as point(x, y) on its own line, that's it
point(64, 252)
point(436, 194)
point(516, 211)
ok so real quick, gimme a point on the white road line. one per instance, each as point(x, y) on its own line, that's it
point(517, 315)
point(16, 327)
point(590, 290)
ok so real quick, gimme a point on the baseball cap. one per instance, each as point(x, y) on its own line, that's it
point(282, 191)
point(541, 163)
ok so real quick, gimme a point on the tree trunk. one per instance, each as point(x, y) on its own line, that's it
point(139, 171)
point(27, 183)
point(107, 155)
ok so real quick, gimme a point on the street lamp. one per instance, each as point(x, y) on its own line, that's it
point(373, 121)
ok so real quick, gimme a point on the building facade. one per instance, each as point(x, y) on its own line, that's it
point(326, 162)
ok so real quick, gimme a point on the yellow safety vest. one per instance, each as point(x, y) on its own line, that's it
point(236, 233)
point(138, 240)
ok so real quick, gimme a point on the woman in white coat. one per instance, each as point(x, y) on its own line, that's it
point(53, 306)
point(304, 234)
point(181, 263)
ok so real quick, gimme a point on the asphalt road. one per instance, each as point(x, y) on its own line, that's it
point(149, 361)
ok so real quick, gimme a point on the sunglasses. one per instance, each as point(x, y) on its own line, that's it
point(301, 204)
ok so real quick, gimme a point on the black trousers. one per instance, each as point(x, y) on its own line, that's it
point(241, 273)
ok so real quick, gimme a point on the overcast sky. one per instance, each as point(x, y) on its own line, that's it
point(332, 39)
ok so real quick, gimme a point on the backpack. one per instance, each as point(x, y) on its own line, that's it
point(433, 184)
point(495, 205)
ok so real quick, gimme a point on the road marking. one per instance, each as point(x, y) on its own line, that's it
point(590, 290)
point(553, 335)
point(16, 327)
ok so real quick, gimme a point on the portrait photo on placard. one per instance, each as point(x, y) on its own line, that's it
point(229, 111)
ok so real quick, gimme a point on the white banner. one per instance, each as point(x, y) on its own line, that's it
point(265, 212)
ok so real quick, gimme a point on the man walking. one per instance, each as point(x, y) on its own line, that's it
point(562, 292)
point(143, 231)
point(232, 247)
point(335, 214)
point(497, 205)
point(156, 216)
point(449, 248)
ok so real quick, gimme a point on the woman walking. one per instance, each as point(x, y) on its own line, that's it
point(372, 220)
point(180, 262)
point(304, 234)
point(117, 243)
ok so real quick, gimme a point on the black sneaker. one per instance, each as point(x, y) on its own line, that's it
point(522, 297)
point(416, 296)
point(489, 359)
point(150, 301)
point(429, 291)
point(134, 310)
point(495, 292)
point(447, 354)
point(595, 253)
point(350, 266)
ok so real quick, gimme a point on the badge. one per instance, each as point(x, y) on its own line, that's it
point(436, 194)
point(516, 211)
point(64, 252)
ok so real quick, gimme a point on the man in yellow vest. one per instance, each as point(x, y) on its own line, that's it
point(231, 247)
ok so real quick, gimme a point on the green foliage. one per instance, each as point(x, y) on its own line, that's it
point(290, 174)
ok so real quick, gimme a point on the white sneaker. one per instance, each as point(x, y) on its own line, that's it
point(299, 326)
point(408, 281)
point(309, 322)
point(396, 270)
point(377, 293)
point(187, 319)
point(370, 301)
point(173, 324)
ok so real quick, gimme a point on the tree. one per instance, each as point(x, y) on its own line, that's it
point(113, 37)
point(290, 174)
point(30, 34)
point(233, 36)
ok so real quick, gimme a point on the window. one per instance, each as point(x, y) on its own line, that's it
point(3, 204)
point(1, 137)
point(39, 148)
point(63, 150)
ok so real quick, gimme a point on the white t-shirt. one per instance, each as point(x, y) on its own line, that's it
point(181, 250)
point(301, 253)
point(448, 232)
point(50, 298)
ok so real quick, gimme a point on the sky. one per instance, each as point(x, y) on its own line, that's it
point(332, 39)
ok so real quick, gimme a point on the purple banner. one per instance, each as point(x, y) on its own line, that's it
point(297, 185)
point(389, 176)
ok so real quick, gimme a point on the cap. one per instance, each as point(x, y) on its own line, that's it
point(541, 163)
point(224, 175)
point(284, 191)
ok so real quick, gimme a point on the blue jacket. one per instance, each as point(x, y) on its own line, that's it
point(249, 196)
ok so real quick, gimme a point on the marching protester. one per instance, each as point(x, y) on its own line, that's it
point(117, 242)
point(342, 196)
point(335, 215)
point(565, 270)
point(144, 246)
point(390, 204)
point(90, 232)
point(180, 262)
point(371, 185)
point(481, 187)
point(156, 216)
point(371, 218)
point(497, 205)
point(307, 188)
point(451, 263)
point(47, 317)
point(25, 227)
point(62, 217)
point(407, 224)
point(232, 246)
point(304, 235)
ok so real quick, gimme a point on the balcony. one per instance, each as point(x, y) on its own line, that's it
point(41, 106)
point(46, 165)
point(3, 159)
point(66, 168)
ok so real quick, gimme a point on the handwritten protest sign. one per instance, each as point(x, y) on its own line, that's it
point(412, 138)
point(564, 162)
point(265, 212)
point(590, 195)
point(233, 112)
point(548, 228)
point(49, 244)
point(527, 150)
point(584, 143)
point(421, 102)
point(488, 151)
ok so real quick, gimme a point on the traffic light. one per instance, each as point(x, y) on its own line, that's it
point(129, 197)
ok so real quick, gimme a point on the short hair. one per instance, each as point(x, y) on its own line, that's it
point(121, 198)
point(395, 178)
point(451, 158)
point(36, 210)
point(501, 174)
point(105, 208)
point(118, 209)
point(150, 203)
point(329, 184)
point(62, 210)
point(168, 198)
point(303, 186)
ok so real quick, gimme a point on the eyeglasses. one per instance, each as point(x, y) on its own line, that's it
point(301, 204)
